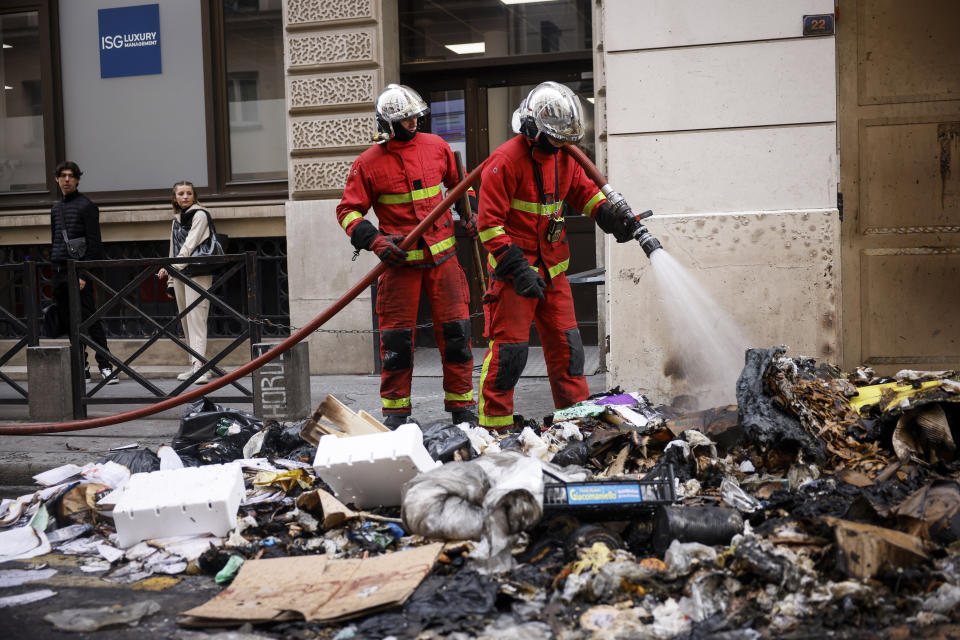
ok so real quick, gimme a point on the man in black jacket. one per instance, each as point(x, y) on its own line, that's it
point(76, 217)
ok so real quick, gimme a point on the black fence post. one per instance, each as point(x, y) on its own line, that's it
point(31, 302)
point(78, 382)
point(253, 301)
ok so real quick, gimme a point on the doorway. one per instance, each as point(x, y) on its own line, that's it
point(899, 119)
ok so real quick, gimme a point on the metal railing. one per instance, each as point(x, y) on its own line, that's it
point(26, 274)
point(243, 266)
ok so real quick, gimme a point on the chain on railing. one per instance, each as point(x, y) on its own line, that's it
point(270, 323)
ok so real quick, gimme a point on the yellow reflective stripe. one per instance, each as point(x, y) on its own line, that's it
point(483, 375)
point(458, 397)
point(558, 268)
point(416, 194)
point(399, 403)
point(350, 217)
point(493, 263)
point(536, 207)
point(593, 202)
point(492, 232)
point(443, 245)
point(496, 421)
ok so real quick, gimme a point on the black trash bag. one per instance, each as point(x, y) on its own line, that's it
point(443, 440)
point(447, 602)
point(282, 441)
point(574, 453)
point(198, 438)
point(137, 460)
point(200, 418)
point(511, 443)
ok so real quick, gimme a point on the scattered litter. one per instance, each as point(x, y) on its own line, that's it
point(26, 598)
point(21, 543)
point(102, 617)
point(17, 577)
point(821, 502)
point(229, 571)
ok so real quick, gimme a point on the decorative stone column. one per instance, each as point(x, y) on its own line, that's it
point(338, 56)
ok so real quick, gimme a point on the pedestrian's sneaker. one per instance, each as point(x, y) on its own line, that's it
point(106, 372)
point(186, 374)
point(459, 416)
point(394, 420)
point(204, 379)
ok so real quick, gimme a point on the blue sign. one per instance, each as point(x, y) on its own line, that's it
point(604, 494)
point(818, 25)
point(129, 41)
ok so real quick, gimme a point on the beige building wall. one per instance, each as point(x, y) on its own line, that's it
point(339, 54)
point(721, 118)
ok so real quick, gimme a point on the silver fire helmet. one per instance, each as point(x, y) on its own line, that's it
point(398, 102)
point(553, 109)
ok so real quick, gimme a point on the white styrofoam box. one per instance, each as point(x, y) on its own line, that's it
point(370, 470)
point(178, 502)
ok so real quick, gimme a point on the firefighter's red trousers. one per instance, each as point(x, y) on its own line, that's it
point(398, 296)
point(508, 318)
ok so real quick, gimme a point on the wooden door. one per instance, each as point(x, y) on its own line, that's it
point(899, 119)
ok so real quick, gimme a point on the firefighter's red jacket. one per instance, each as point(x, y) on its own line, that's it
point(402, 182)
point(511, 208)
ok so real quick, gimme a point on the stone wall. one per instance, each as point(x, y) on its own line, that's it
point(339, 54)
point(721, 118)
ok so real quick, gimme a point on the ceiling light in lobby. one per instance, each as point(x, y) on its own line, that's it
point(467, 47)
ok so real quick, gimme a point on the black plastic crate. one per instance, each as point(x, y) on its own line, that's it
point(620, 496)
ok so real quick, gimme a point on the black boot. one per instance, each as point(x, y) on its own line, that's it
point(464, 414)
point(394, 420)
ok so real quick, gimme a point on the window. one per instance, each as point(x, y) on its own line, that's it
point(22, 158)
point(253, 36)
point(215, 114)
point(435, 30)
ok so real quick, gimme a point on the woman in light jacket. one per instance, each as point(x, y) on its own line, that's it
point(191, 227)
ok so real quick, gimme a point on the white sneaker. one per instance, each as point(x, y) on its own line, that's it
point(106, 372)
point(186, 374)
point(204, 379)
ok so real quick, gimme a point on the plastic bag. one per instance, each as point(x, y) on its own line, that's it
point(443, 440)
point(200, 418)
point(137, 460)
point(197, 439)
point(490, 499)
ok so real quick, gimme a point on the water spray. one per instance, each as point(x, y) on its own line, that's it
point(648, 243)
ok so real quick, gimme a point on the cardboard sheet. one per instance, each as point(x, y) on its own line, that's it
point(316, 587)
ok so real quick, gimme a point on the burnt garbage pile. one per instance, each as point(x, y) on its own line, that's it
point(823, 504)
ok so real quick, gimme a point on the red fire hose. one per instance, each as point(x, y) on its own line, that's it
point(79, 425)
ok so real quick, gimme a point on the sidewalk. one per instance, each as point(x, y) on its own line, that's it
point(21, 457)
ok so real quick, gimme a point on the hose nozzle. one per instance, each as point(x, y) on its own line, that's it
point(648, 243)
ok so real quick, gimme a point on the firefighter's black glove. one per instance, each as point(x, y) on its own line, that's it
point(620, 223)
point(529, 284)
point(513, 265)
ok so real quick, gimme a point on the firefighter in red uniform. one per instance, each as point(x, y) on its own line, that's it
point(522, 190)
point(401, 179)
